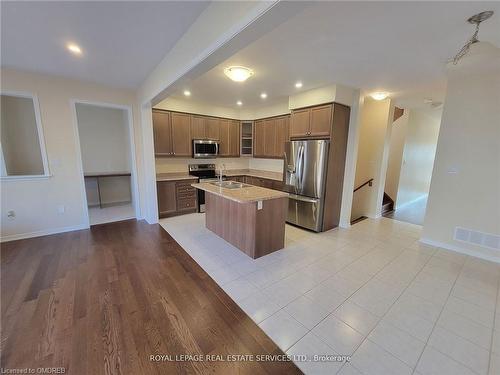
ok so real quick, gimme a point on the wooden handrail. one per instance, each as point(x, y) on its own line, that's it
point(369, 182)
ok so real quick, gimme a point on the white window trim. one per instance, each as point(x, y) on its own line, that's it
point(41, 138)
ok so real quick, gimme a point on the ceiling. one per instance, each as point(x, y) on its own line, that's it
point(122, 42)
point(398, 47)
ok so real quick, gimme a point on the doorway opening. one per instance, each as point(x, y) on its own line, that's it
point(412, 149)
point(107, 159)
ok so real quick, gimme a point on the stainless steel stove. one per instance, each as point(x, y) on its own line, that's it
point(205, 173)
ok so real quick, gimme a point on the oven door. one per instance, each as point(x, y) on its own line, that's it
point(201, 193)
point(203, 148)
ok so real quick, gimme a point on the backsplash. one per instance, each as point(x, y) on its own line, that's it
point(273, 165)
point(169, 165)
point(172, 165)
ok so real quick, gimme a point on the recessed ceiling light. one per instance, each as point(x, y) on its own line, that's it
point(263, 95)
point(298, 85)
point(239, 102)
point(379, 95)
point(187, 93)
point(74, 48)
point(238, 73)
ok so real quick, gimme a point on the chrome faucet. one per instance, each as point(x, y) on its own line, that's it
point(221, 171)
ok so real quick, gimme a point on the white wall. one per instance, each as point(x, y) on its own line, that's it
point(418, 155)
point(192, 106)
point(37, 201)
point(465, 186)
point(104, 139)
point(398, 136)
point(373, 150)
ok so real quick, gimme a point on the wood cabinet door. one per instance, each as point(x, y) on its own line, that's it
point(212, 128)
point(162, 133)
point(270, 137)
point(224, 147)
point(282, 135)
point(259, 139)
point(198, 127)
point(181, 134)
point(300, 123)
point(167, 201)
point(234, 138)
point(321, 121)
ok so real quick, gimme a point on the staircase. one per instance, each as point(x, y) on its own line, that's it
point(387, 205)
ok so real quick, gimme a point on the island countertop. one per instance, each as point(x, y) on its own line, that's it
point(245, 194)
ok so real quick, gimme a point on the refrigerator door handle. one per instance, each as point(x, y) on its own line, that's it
point(300, 161)
point(303, 198)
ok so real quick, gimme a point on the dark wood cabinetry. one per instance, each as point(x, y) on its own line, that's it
point(162, 130)
point(282, 135)
point(198, 127)
point(181, 134)
point(229, 137)
point(213, 128)
point(311, 122)
point(166, 198)
point(174, 133)
point(176, 197)
point(259, 139)
point(270, 135)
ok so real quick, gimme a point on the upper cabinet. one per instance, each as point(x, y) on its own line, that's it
point(181, 134)
point(229, 137)
point(162, 131)
point(282, 134)
point(174, 133)
point(198, 127)
point(311, 122)
point(234, 138)
point(213, 128)
point(270, 135)
point(259, 139)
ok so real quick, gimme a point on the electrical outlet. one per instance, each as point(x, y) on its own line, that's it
point(61, 209)
point(11, 214)
point(259, 205)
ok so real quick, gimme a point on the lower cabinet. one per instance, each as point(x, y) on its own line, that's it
point(176, 197)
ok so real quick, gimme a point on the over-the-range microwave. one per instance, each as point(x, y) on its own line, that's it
point(205, 148)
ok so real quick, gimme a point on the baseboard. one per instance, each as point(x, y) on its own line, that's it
point(396, 207)
point(46, 232)
point(459, 249)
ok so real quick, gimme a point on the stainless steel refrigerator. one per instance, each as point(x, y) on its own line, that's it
point(305, 164)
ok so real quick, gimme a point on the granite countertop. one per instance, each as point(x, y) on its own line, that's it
point(245, 194)
point(278, 176)
point(174, 176)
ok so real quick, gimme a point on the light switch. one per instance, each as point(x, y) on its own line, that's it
point(259, 205)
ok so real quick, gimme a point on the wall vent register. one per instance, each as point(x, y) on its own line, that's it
point(488, 240)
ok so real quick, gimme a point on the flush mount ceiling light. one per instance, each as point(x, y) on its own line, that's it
point(238, 73)
point(263, 95)
point(74, 48)
point(239, 102)
point(298, 85)
point(476, 19)
point(379, 95)
point(187, 93)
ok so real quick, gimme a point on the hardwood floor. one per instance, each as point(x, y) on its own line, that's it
point(102, 301)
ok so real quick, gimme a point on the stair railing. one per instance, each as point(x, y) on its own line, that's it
point(369, 183)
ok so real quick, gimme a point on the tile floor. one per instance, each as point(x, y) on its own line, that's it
point(413, 213)
point(372, 292)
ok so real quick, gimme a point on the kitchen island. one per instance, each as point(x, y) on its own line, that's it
point(251, 218)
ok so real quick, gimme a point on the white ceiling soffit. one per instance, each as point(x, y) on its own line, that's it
point(399, 47)
point(122, 41)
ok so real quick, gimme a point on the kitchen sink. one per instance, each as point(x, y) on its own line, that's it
point(230, 184)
